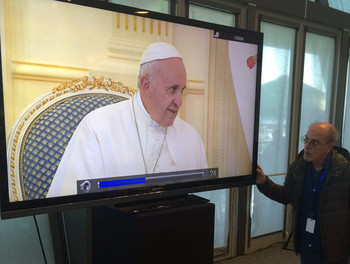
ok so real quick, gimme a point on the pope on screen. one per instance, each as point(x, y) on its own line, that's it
point(142, 135)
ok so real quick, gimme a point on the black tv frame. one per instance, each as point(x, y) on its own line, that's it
point(47, 205)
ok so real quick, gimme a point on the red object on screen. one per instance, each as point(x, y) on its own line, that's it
point(251, 61)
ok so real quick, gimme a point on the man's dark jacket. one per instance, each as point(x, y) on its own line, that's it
point(334, 202)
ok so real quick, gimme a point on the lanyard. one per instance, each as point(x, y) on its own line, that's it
point(320, 182)
point(314, 191)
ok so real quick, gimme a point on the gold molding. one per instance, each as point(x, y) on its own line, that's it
point(27, 70)
point(118, 20)
point(135, 23)
point(126, 20)
point(37, 64)
point(91, 84)
point(141, 25)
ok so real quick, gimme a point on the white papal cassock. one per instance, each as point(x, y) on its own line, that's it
point(106, 144)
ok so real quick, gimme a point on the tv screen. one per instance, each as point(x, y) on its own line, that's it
point(64, 61)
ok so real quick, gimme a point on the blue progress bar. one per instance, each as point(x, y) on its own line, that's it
point(106, 184)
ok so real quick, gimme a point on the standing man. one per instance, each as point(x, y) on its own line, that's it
point(317, 185)
point(142, 135)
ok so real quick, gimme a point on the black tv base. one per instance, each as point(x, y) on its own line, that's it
point(176, 230)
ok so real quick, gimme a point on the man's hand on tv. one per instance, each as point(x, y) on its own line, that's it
point(260, 176)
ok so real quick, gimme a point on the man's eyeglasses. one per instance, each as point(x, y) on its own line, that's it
point(313, 142)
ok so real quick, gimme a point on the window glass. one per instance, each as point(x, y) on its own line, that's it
point(267, 216)
point(221, 198)
point(20, 242)
point(211, 15)
point(317, 81)
point(346, 123)
point(275, 106)
point(342, 5)
point(162, 6)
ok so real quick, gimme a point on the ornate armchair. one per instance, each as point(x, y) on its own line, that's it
point(39, 138)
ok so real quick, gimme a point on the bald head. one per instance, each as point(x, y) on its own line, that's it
point(325, 129)
point(319, 141)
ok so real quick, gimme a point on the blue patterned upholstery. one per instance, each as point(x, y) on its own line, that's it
point(45, 139)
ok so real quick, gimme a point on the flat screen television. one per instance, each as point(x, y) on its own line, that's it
point(47, 46)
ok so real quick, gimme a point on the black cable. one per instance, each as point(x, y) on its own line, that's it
point(41, 242)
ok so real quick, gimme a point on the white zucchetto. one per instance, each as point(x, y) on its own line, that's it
point(159, 51)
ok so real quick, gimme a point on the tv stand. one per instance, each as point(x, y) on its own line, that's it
point(174, 230)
